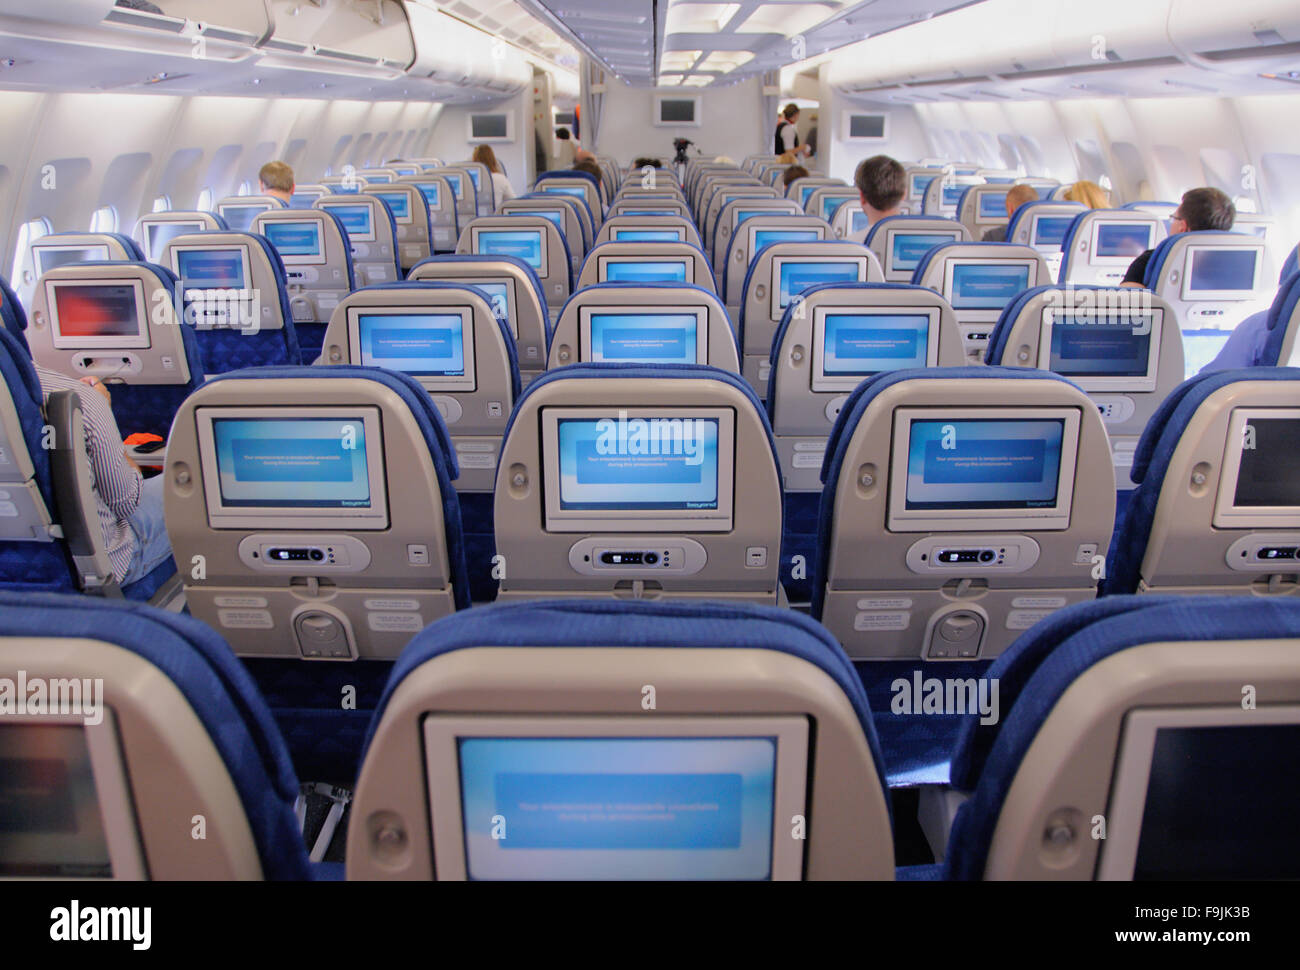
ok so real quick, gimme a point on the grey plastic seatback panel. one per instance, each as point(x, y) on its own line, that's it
point(315, 288)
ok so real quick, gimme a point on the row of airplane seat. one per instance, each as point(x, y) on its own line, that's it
point(493, 710)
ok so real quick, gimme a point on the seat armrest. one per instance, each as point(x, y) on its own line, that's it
point(74, 495)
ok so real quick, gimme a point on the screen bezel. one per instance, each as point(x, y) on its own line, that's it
point(392, 188)
point(603, 260)
point(244, 266)
point(1043, 217)
point(557, 520)
point(979, 197)
point(1120, 384)
point(1095, 236)
point(982, 313)
point(147, 226)
point(823, 382)
point(465, 383)
point(1132, 769)
point(140, 341)
point(701, 314)
point(259, 206)
point(543, 271)
point(442, 732)
point(890, 232)
point(356, 237)
point(97, 248)
point(298, 519)
point(776, 311)
point(1227, 514)
point(1188, 295)
point(420, 184)
point(298, 259)
point(752, 229)
point(781, 207)
point(1056, 518)
point(116, 811)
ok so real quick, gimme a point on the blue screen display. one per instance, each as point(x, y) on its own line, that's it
point(649, 212)
point(671, 271)
point(645, 338)
point(303, 201)
point(474, 177)
point(1003, 463)
point(431, 192)
point(454, 179)
point(618, 808)
point(1106, 347)
point(1049, 231)
point(639, 464)
point(240, 217)
point(525, 244)
point(1223, 269)
point(378, 179)
point(859, 344)
point(952, 194)
point(211, 269)
point(859, 221)
point(498, 298)
point(766, 237)
point(920, 183)
point(986, 286)
point(291, 462)
point(797, 277)
point(577, 191)
point(397, 201)
point(832, 202)
point(356, 218)
point(294, 238)
point(347, 188)
point(422, 344)
point(646, 235)
point(555, 215)
point(1200, 347)
point(804, 192)
point(743, 214)
point(993, 205)
point(910, 247)
point(1123, 239)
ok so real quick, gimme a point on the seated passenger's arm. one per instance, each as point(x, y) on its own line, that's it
point(117, 478)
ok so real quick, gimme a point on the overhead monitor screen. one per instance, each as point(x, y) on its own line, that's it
point(984, 464)
point(986, 286)
point(158, 234)
point(645, 271)
point(211, 269)
point(421, 344)
point(645, 338)
point(270, 463)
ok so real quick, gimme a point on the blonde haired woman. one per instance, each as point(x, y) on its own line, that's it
point(1089, 193)
point(502, 190)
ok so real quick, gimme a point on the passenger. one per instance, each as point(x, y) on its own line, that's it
point(811, 141)
point(130, 505)
point(276, 180)
point(1201, 209)
point(882, 183)
point(566, 149)
point(792, 173)
point(646, 162)
point(501, 186)
point(1017, 196)
point(589, 166)
point(1089, 193)
point(787, 135)
point(787, 158)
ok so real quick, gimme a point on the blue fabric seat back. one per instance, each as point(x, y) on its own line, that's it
point(1283, 319)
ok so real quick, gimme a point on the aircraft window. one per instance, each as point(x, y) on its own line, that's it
point(104, 219)
point(245, 188)
point(205, 200)
point(28, 233)
point(162, 204)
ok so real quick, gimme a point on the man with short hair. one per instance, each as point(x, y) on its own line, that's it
point(1201, 209)
point(276, 179)
point(1017, 196)
point(787, 135)
point(882, 184)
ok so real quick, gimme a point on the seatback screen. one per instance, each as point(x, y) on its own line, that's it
point(240, 217)
point(577, 191)
point(647, 235)
point(1115, 239)
point(993, 205)
point(794, 277)
point(432, 193)
point(355, 218)
point(1092, 346)
point(97, 311)
point(832, 202)
point(995, 463)
point(421, 344)
point(525, 244)
point(399, 202)
point(766, 237)
point(48, 259)
point(619, 808)
point(952, 194)
point(645, 338)
point(211, 269)
point(804, 192)
point(555, 215)
point(1049, 231)
point(294, 238)
point(1222, 269)
point(158, 234)
point(638, 464)
point(645, 271)
point(920, 183)
point(1269, 474)
point(860, 344)
point(909, 248)
point(317, 463)
point(454, 179)
point(986, 286)
point(474, 177)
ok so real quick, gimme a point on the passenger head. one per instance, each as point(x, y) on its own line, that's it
point(1201, 209)
point(1089, 193)
point(644, 162)
point(485, 155)
point(582, 155)
point(787, 158)
point(276, 179)
point(562, 134)
point(1018, 195)
point(882, 183)
point(588, 166)
point(792, 173)
point(790, 112)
